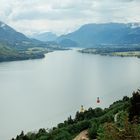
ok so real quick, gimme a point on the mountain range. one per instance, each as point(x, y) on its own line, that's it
point(90, 35)
point(17, 46)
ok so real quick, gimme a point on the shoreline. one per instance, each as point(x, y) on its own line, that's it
point(114, 53)
point(21, 58)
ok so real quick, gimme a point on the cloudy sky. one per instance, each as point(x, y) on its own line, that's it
point(62, 16)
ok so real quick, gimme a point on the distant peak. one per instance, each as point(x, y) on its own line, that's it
point(3, 25)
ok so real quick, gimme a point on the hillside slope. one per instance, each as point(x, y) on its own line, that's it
point(119, 121)
point(10, 54)
point(8, 34)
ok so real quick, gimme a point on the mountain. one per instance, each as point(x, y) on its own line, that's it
point(47, 36)
point(11, 36)
point(16, 46)
point(90, 35)
point(68, 43)
point(17, 40)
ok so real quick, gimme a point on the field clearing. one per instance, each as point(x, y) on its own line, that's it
point(127, 54)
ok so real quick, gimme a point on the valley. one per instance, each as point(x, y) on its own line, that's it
point(16, 46)
point(83, 75)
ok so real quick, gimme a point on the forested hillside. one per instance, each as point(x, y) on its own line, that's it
point(118, 122)
point(11, 54)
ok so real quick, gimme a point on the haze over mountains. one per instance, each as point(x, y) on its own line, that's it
point(46, 36)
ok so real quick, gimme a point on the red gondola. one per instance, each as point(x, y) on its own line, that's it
point(98, 100)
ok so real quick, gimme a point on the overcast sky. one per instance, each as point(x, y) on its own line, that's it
point(62, 16)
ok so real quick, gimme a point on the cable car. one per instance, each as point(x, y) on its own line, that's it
point(98, 100)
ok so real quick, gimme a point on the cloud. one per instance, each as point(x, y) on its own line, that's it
point(53, 10)
point(60, 16)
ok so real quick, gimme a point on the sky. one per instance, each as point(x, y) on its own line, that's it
point(63, 16)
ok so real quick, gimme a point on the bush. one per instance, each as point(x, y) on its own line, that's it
point(134, 110)
point(63, 135)
point(110, 131)
point(92, 132)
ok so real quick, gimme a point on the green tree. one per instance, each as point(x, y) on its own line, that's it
point(63, 135)
point(134, 110)
point(92, 132)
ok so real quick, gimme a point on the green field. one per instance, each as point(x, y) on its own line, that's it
point(127, 54)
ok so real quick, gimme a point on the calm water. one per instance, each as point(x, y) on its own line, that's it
point(41, 93)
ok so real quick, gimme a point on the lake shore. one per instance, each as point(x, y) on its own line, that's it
point(21, 57)
point(112, 52)
point(31, 53)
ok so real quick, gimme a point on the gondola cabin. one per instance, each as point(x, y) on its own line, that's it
point(98, 100)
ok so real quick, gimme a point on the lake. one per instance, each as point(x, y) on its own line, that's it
point(41, 93)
